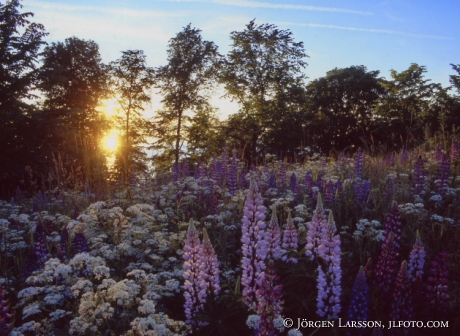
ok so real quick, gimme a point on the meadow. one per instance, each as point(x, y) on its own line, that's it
point(219, 248)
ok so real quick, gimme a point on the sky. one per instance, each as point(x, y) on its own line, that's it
point(381, 35)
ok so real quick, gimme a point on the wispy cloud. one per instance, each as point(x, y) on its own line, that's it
point(113, 11)
point(367, 30)
point(259, 4)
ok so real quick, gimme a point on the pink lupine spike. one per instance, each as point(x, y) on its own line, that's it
point(416, 259)
point(273, 236)
point(211, 265)
point(254, 245)
point(317, 223)
point(402, 308)
point(290, 241)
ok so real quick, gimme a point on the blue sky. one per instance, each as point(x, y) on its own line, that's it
point(380, 35)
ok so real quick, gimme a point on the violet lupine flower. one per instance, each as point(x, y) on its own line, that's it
point(402, 308)
point(232, 182)
point(186, 168)
point(319, 182)
point(359, 164)
point(269, 303)
point(272, 180)
point(202, 170)
point(6, 319)
point(195, 285)
point(358, 310)
point(273, 236)
point(308, 181)
point(454, 151)
point(387, 265)
point(254, 246)
point(437, 287)
point(403, 155)
point(328, 194)
point(282, 177)
point(329, 288)
point(293, 181)
point(314, 234)
point(215, 171)
point(416, 259)
point(393, 224)
point(211, 265)
point(290, 241)
point(224, 166)
point(444, 173)
point(80, 245)
point(419, 177)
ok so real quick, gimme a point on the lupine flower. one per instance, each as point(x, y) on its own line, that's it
point(308, 181)
point(444, 173)
point(319, 182)
point(328, 194)
point(202, 170)
point(358, 310)
point(273, 236)
point(254, 246)
point(437, 287)
point(290, 241)
point(403, 155)
point(329, 278)
point(454, 151)
point(293, 181)
point(272, 180)
point(80, 245)
point(362, 190)
point(282, 177)
point(269, 303)
point(419, 178)
point(359, 164)
point(195, 285)
point(318, 222)
point(416, 259)
point(224, 165)
point(393, 224)
point(232, 182)
point(386, 269)
point(215, 171)
point(211, 265)
point(402, 308)
point(6, 319)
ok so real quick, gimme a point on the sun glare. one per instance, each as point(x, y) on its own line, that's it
point(110, 107)
point(111, 141)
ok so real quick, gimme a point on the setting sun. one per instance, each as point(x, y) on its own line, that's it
point(110, 107)
point(111, 141)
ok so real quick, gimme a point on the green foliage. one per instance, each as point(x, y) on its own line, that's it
point(263, 66)
point(182, 83)
point(131, 81)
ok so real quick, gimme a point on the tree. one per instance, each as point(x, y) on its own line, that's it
point(20, 42)
point(263, 60)
point(405, 107)
point(344, 101)
point(183, 82)
point(132, 80)
point(455, 79)
point(74, 80)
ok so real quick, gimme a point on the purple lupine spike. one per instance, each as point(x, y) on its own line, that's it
point(319, 182)
point(314, 234)
point(402, 308)
point(282, 177)
point(308, 181)
point(438, 154)
point(444, 174)
point(214, 202)
point(328, 194)
point(359, 164)
point(323, 164)
point(6, 318)
point(419, 178)
point(416, 259)
point(389, 190)
point(224, 166)
point(437, 287)
point(358, 309)
point(232, 180)
point(202, 170)
point(293, 181)
point(273, 236)
point(393, 224)
point(254, 246)
point(186, 168)
point(330, 273)
point(211, 265)
point(403, 155)
point(175, 172)
point(387, 265)
point(80, 245)
point(454, 151)
point(272, 180)
point(215, 171)
point(290, 241)
point(195, 285)
point(269, 304)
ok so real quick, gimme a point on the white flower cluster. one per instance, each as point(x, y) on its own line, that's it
point(368, 229)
